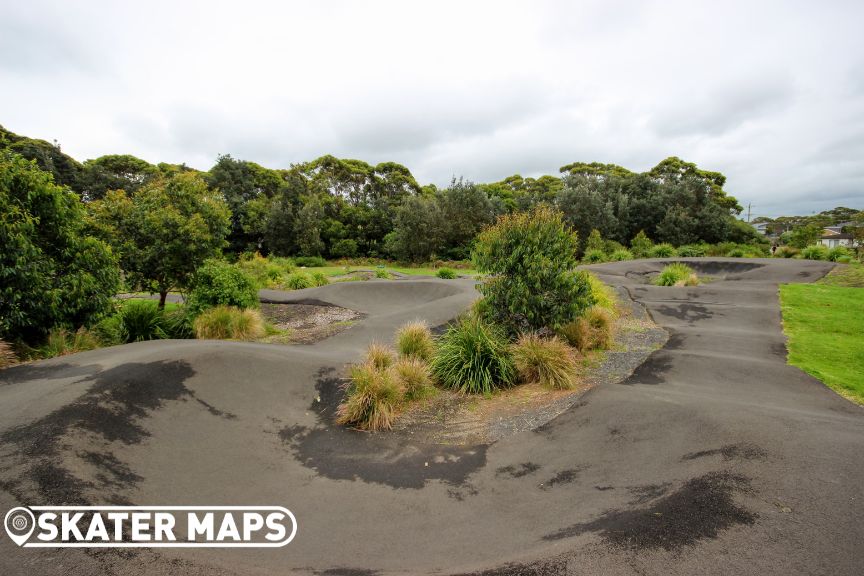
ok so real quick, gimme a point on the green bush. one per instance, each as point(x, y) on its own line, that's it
point(382, 274)
point(834, 254)
point(691, 251)
point(414, 340)
point(530, 259)
point(310, 261)
point(602, 294)
point(141, 320)
point(548, 361)
point(218, 283)
point(786, 252)
point(319, 279)
point(815, 252)
point(372, 399)
point(61, 342)
point(662, 251)
point(641, 245)
point(844, 260)
point(267, 272)
point(229, 323)
point(737, 253)
point(677, 274)
point(446, 273)
point(594, 256)
point(345, 248)
point(620, 255)
point(473, 357)
point(298, 281)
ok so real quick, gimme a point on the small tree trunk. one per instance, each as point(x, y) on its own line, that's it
point(162, 296)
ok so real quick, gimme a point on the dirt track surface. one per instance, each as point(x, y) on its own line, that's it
point(714, 457)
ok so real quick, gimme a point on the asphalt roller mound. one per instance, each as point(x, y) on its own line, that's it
point(714, 457)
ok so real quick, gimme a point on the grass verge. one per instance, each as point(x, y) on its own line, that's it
point(825, 328)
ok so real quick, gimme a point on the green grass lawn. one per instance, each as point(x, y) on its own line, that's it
point(825, 327)
point(340, 270)
point(848, 275)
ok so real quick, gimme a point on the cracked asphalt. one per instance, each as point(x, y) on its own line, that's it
point(714, 457)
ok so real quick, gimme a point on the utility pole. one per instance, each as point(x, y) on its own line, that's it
point(748, 212)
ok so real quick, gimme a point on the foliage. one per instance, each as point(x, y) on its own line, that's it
point(414, 377)
point(825, 330)
point(298, 281)
point(834, 254)
point(676, 274)
point(595, 242)
point(545, 360)
point(219, 283)
point(786, 252)
point(372, 399)
point(165, 232)
point(850, 276)
point(7, 355)
point(530, 258)
point(803, 236)
point(61, 342)
point(382, 274)
point(310, 261)
point(594, 256)
point(473, 357)
point(140, 320)
point(229, 323)
point(662, 251)
point(446, 273)
point(53, 275)
point(414, 340)
point(319, 279)
point(115, 172)
point(592, 331)
point(691, 250)
point(620, 255)
point(380, 356)
point(602, 294)
point(815, 252)
point(641, 245)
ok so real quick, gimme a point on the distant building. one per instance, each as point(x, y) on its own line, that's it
point(762, 228)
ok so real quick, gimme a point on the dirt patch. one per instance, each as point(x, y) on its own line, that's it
point(451, 418)
point(308, 323)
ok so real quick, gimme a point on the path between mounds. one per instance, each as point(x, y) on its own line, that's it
point(714, 457)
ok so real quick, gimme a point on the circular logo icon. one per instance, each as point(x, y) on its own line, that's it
point(19, 523)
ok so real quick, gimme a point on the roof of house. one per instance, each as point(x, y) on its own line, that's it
point(836, 237)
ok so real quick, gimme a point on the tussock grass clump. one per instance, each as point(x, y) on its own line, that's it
point(474, 357)
point(786, 252)
point(382, 274)
point(414, 340)
point(603, 295)
point(815, 252)
point(298, 281)
point(592, 331)
point(380, 356)
point(677, 274)
point(141, 320)
point(662, 251)
point(620, 255)
point(548, 361)
point(446, 273)
point(415, 378)
point(594, 256)
point(837, 253)
point(692, 251)
point(229, 323)
point(372, 399)
point(319, 279)
point(61, 341)
point(7, 355)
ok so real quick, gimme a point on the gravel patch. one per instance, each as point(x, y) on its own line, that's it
point(308, 323)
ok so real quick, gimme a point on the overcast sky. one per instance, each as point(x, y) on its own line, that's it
point(769, 93)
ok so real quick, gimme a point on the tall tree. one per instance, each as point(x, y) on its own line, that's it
point(115, 172)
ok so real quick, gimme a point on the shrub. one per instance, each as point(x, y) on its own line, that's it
point(844, 260)
point(446, 273)
point(310, 261)
point(345, 248)
point(218, 283)
point(834, 254)
point(414, 340)
point(737, 253)
point(603, 295)
point(379, 356)
point(372, 399)
point(265, 272)
point(691, 251)
point(677, 274)
point(530, 258)
point(7, 355)
point(786, 252)
point(229, 323)
point(61, 342)
point(620, 255)
point(640, 245)
point(298, 281)
point(140, 320)
point(815, 252)
point(319, 279)
point(662, 251)
point(594, 256)
point(178, 324)
point(548, 361)
point(593, 331)
point(414, 377)
point(382, 273)
point(473, 357)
